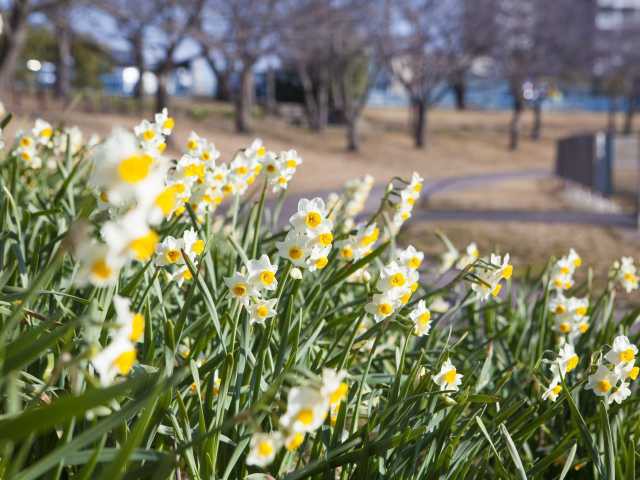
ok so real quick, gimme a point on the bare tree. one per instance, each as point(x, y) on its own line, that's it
point(425, 51)
point(538, 43)
point(15, 17)
point(235, 35)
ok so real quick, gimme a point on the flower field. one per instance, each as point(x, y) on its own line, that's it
point(158, 322)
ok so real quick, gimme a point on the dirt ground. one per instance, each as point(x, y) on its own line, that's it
point(459, 144)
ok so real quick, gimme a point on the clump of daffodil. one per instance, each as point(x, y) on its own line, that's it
point(625, 274)
point(307, 409)
point(252, 286)
point(488, 275)
point(562, 272)
point(408, 198)
point(398, 280)
point(566, 362)
point(615, 371)
point(280, 168)
point(119, 356)
point(168, 253)
point(570, 315)
point(310, 238)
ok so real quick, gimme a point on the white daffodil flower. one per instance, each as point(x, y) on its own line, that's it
point(307, 409)
point(263, 448)
point(421, 317)
point(448, 377)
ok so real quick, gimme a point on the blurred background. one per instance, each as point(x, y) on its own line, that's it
point(518, 113)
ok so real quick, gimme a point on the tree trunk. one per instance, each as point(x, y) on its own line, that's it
point(353, 142)
point(271, 103)
point(419, 122)
point(514, 128)
point(323, 105)
point(138, 53)
point(628, 118)
point(244, 100)
point(223, 87)
point(162, 95)
point(64, 64)
point(459, 88)
point(537, 121)
point(13, 43)
point(611, 116)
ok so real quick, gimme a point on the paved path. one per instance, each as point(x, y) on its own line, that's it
point(620, 220)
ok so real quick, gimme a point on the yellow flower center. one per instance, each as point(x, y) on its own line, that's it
point(265, 448)
point(583, 327)
point(339, 394)
point(417, 187)
point(239, 289)
point(192, 144)
point(424, 318)
point(186, 274)
point(262, 311)
point(633, 374)
point(46, 132)
point(162, 146)
point(405, 298)
point(572, 362)
point(404, 215)
point(198, 246)
point(101, 270)
point(149, 135)
point(565, 327)
point(346, 252)
point(325, 239)
point(577, 262)
point(124, 362)
point(450, 376)
point(292, 163)
point(206, 156)
point(144, 247)
point(135, 168)
point(564, 270)
point(267, 277)
point(557, 389)
point(282, 180)
point(25, 142)
point(261, 152)
point(627, 355)
point(397, 280)
point(242, 170)
point(305, 416)
point(313, 219)
point(385, 309)
point(321, 263)
point(560, 309)
point(295, 253)
point(295, 441)
point(414, 263)
point(271, 168)
point(137, 327)
point(172, 255)
point(26, 156)
point(630, 277)
point(581, 311)
point(496, 290)
point(169, 123)
point(507, 271)
point(604, 385)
